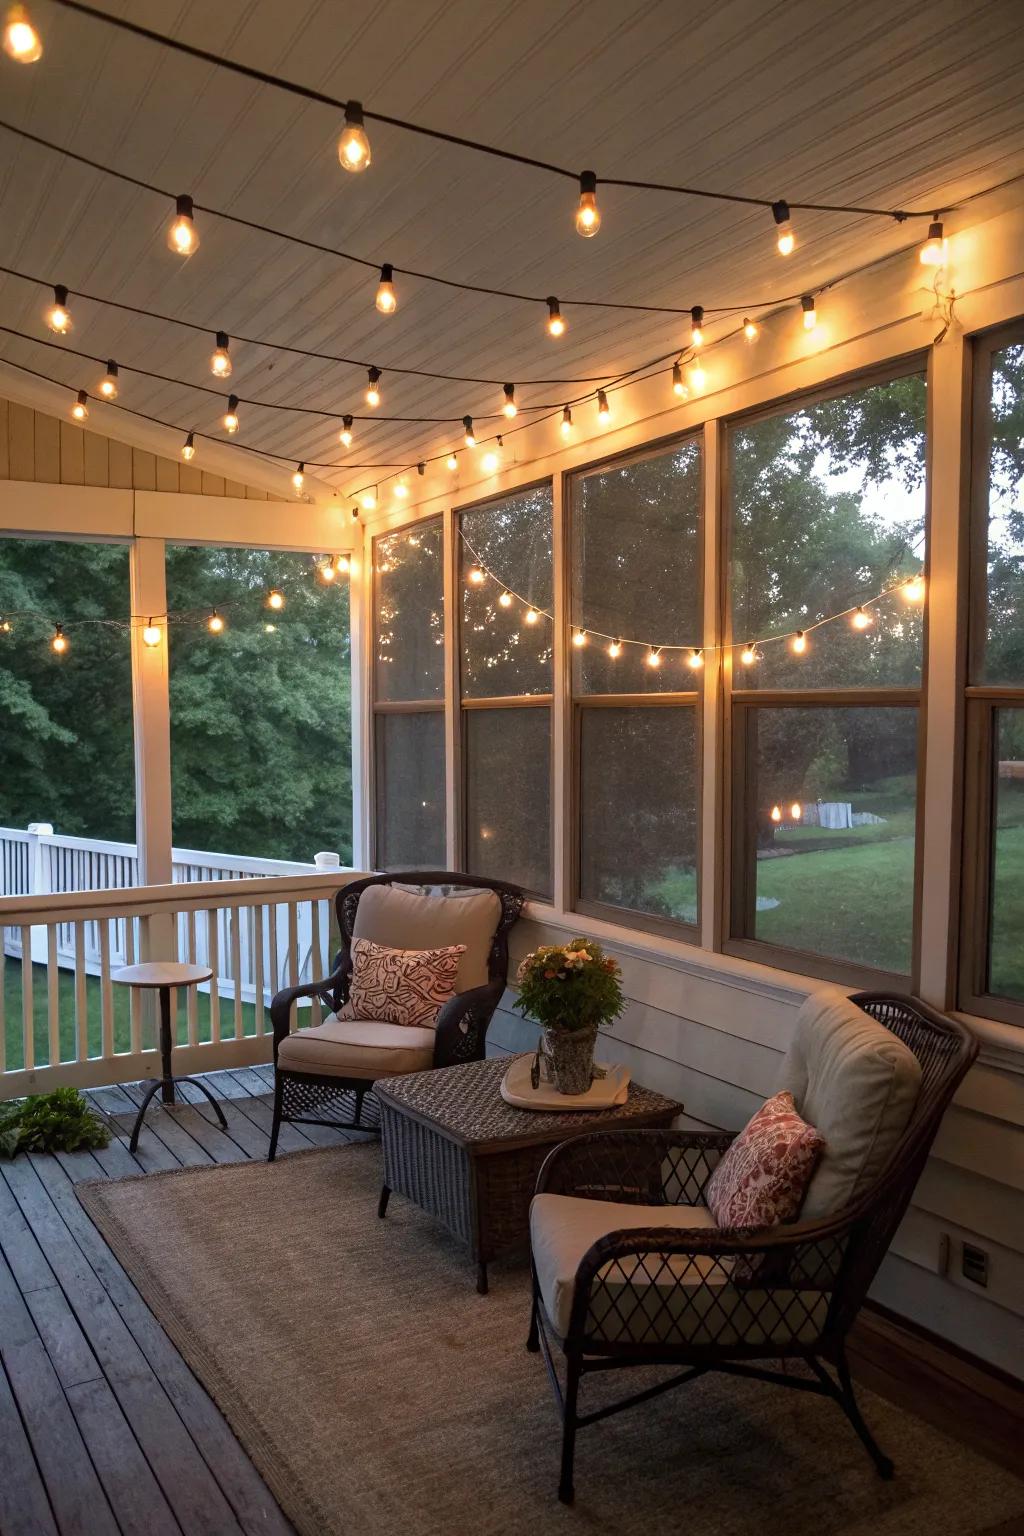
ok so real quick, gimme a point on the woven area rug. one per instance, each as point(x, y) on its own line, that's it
point(378, 1393)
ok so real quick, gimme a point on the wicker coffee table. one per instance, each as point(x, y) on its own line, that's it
point(454, 1147)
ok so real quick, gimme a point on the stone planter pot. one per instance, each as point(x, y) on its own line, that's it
point(570, 1055)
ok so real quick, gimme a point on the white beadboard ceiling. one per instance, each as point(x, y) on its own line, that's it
point(885, 102)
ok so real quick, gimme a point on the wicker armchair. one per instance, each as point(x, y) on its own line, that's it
point(322, 1075)
point(681, 1292)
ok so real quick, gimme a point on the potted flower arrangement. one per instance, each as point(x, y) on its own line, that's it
point(570, 989)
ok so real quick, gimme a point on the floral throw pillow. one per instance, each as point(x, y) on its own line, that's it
point(763, 1176)
point(400, 986)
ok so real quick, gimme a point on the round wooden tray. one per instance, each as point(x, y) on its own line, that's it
point(603, 1093)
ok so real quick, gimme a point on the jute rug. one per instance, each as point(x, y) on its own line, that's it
point(379, 1394)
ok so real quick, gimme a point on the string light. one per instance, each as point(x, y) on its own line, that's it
point(107, 386)
point(299, 476)
point(386, 301)
point(345, 435)
point(182, 234)
point(470, 439)
point(748, 655)
point(798, 644)
point(372, 392)
point(476, 576)
point(343, 564)
point(678, 387)
point(653, 658)
point(604, 410)
point(588, 215)
point(697, 326)
point(810, 313)
point(369, 499)
point(933, 252)
point(220, 360)
point(566, 421)
point(188, 448)
point(452, 462)
point(491, 462)
point(695, 660)
point(5, 626)
point(275, 599)
point(556, 325)
point(505, 599)
point(785, 239)
point(353, 146)
point(913, 589)
point(151, 635)
point(776, 813)
point(531, 615)
point(697, 377)
point(59, 643)
point(579, 639)
point(401, 492)
point(615, 649)
point(327, 570)
point(509, 409)
point(861, 619)
point(22, 42)
point(750, 330)
point(215, 624)
point(80, 409)
point(229, 421)
point(58, 316)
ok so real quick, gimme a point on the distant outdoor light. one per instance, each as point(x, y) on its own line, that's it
point(275, 599)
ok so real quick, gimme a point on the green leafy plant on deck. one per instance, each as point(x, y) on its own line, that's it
point(50, 1122)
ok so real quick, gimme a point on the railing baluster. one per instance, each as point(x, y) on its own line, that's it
point(212, 939)
point(293, 944)
point(106, 992)
point(315, 968)
point(234, 915)
point(53, 994)
point(134, 1014)
point(275, 974)
point(27, 1011)
point(257, 953)
point(191, 993)
point(81, 1001)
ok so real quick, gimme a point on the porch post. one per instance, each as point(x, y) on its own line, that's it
point(152, 730)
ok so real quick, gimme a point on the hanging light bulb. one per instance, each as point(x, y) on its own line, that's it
point(59, 643)
point(354, 146)
point(372, 392)
point(5, 626)
point(785, 239)
point(452, 461)
point(604, 410)
point(275, 599)
point(491, 462)
point(58, 316)
point(615, 649)
point(80, 409)
point(327, 570)
point(345, 435)
point(678, 387)
point(188, 448)
point(798, 644)
point(215, 624)
point(151, 635)
point(556, 325)
point(470, 439)
point(748, 655)
point(810, 313)
point(588, 215)
point(697, 376)
point(913, 589)
point(355, 514)
point(229, 421)
point(531, 615)
point(579, 639)
point(369, 498)
point(653, 658)
point(343, 564)
point(697, 326)
point(796, 810)
point(750, 330)
point(401, 492)
point(386, 299)
point(505, 599)
point(220, 359)
point(933, 252)
point(860, 619)
point(695, 660)
point(509, 408)
point(107, 386)
point(476, 576)
point(182, 235)
point(22, 42)
point(566, 421)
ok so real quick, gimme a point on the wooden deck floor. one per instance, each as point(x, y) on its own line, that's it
point(103, 1427)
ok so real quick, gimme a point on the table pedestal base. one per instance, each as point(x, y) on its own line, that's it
point(164, 1085)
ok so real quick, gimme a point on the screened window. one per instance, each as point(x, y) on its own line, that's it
point(827, 529)
point(506, 668)
point(635, 549)
point(408, 673)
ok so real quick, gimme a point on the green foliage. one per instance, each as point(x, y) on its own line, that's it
point(574, 985)
point(50, 1122)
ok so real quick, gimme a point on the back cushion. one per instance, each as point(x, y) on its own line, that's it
point(858, 1084)
point(415, 919)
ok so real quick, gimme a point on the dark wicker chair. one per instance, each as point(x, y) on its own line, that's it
point(308, 1098)
point(715, 1299)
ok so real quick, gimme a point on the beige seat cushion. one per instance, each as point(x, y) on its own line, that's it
point(357, 1048)
point(680, 1301)
point(858, 1084)
point(408, 918)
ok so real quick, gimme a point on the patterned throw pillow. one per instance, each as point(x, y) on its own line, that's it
point(400, 986)
point(763, 1176)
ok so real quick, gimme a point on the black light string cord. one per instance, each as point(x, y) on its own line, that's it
point(264, 77)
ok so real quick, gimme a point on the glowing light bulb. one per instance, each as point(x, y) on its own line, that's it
point(588, 215)
point(933, 252)
point(785, 239)
point(401, 493)
point(182, 235)
point(5, 626)
point(220, 358)
point(750, 330)
point(58, 316)
point(299, 476)
point(579, 639)
point(151, 635)
point(491, 462)
point(695, 660)
point(505, 599)
point(697, 326)
point(698, 378)
point(22, 42)
point(369, 499)
point(509, 408)
point(215, 624)
point(345, 435)
point(80, 409)
point(343, 564)
point(372, 391)
point(615, 649)
point(566, 423)
point(913, 590)
point(556, 325)
point(107, 386)
point(531, 615)
point(59, 643)
point(470, 438)
point(748, 655)
point(476, 576)
point(860, 619)
point(810, 313)
point(353, 146)
point(188, 448)
point(386, 299)
point(452, 461)
point(678, 387)
point(653, 658)
point(270, 629)
point(229, 421)
point(798, 644)
point(327, 571)
point(275, 599)
point(776, 813)
point(796, 810)
point(604, 410)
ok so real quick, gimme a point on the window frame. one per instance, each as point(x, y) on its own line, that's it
point(738, 704)
point(577, 703)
